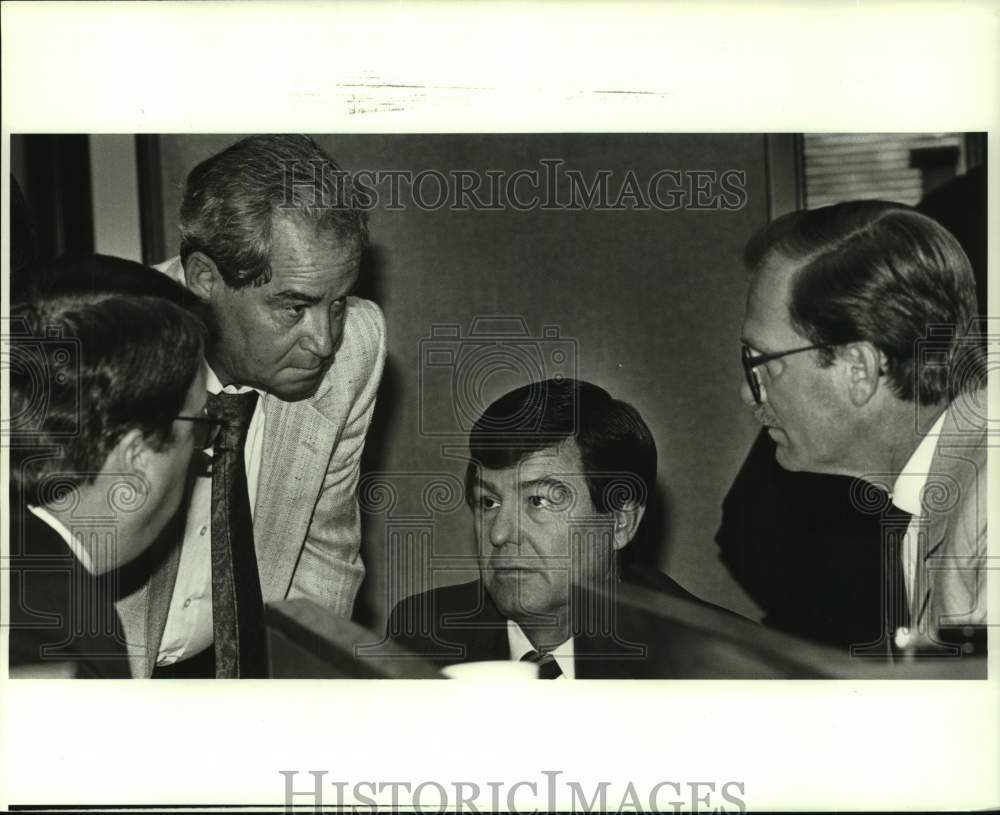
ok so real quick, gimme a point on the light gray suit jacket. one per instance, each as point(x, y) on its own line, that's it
point(950, 586)
point(307, 529)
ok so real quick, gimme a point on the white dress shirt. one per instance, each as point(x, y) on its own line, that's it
point(188, 629)
point(907, 494)
point(521, 645)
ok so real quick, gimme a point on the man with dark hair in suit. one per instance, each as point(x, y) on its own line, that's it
point(861, 359)
point(107, 408)
point(272, 234)
point(558, 481)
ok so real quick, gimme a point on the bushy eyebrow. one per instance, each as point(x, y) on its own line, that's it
point(482, 484)
point(297, 297)
point(753, 346)
point(291, 296)
point(547, 482)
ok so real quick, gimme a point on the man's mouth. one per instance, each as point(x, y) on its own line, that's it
point(765, 421)
point(510, 567)
point(312, 369)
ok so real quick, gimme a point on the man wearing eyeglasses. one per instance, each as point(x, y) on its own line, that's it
point(860, 359)
point(107, 397)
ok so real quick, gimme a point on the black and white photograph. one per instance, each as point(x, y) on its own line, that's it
point(344, 403)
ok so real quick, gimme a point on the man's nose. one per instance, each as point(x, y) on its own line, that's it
point(503, 530)
point(321, 333)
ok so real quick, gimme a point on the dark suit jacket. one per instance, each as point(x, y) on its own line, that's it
point(460, 623)
point(59, 612)
point(800, 547)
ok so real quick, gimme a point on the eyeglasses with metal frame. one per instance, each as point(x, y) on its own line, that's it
point(206, 429)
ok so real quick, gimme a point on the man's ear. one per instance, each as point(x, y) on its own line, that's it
point(627, 522)
point(132, 456)
point(865, 365)
point(201, 275)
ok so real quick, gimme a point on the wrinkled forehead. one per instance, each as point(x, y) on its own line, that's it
point(299, 241)
point(767, 325)
point(561, 461)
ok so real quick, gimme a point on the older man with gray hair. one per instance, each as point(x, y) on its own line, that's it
point(272, 233)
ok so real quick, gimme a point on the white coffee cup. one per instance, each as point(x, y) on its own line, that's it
point(496, 669)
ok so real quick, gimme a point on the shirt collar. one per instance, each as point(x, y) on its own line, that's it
point(906, 492)
point(214, 385)
point(56, 525)
point(521, 645)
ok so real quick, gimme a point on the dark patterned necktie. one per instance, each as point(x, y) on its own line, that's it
point(237, 603)
point(548, 668)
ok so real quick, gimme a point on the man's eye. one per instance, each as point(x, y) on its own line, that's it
point(555, 498)
point(339, 304)
point(294, 311)
point(487, 503)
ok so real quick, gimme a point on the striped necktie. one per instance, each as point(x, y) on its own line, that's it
point(237, 603)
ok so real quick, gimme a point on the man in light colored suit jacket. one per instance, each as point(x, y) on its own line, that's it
point(862, 357)
point(271, 239)
point(951, 554)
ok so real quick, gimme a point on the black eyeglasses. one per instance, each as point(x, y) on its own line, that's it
point(751, 361)
point(206, 430)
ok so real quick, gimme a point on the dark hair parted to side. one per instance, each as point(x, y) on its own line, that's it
point(879, 272)
point(616, 447)
point(231, 199)
point(86, 367)
point(89, 275)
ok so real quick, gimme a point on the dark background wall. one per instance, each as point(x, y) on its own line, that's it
point(646, 304)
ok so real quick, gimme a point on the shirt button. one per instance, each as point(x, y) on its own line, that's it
point(187, 602)
point(902, 638)
point(203, 530)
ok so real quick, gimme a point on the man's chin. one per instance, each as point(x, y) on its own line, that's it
point(785, 460)
point(295, 390)
point(519, 593)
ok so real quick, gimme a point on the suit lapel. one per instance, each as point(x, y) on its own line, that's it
point(145, 587)
point(470, 619)
point(298, 443)
point(956, 451)
point(161, 591)
point(488, 640)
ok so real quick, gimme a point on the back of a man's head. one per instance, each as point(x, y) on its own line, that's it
point(231, 199)
point(90, 275)
point(879, 272)
point(94, 355)
point(616, 446)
